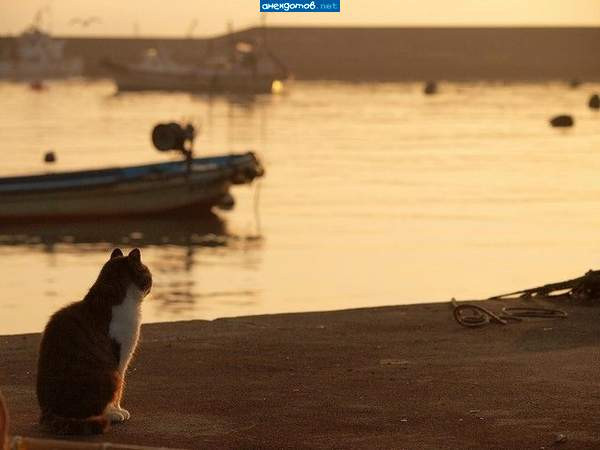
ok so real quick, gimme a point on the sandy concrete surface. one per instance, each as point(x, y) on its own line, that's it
point(405, 377)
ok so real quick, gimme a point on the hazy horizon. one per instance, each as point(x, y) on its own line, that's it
point(189, 18)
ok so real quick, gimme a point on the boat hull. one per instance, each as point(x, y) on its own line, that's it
point(150, 190)
point(27, 71)
point(129, 79)
point(152, 82)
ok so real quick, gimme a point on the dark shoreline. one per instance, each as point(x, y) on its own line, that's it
point(384, 54)
point(391, 377)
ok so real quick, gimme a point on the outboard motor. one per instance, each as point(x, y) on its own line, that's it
point(174, 137)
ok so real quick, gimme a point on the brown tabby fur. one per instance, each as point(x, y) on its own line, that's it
point(3, 425)
point(78, 361)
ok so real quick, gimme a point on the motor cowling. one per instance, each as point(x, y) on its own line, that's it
point(173, 137)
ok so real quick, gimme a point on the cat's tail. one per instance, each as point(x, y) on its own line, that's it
point(68, 425)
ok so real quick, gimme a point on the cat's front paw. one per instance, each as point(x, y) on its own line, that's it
point(116, 415)
point(124, 412)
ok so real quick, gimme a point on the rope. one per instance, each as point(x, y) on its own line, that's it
point(585, 287)
point(539, 313)
point(474, 316)
point(257, 207)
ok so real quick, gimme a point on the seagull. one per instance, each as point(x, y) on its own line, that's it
point(85, 22)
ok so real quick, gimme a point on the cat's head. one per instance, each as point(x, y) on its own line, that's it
point(123, 271)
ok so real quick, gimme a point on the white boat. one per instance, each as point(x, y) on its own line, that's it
point(35, 55)
point(246, 70)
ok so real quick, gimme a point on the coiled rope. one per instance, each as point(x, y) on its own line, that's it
point(473, 316)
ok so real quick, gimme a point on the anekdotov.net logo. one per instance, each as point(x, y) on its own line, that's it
point(300, 6)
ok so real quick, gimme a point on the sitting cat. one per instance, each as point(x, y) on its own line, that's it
point(86, 348)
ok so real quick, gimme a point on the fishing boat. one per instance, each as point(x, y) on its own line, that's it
point(35, 55)
point(188, 186)
point(246, 70)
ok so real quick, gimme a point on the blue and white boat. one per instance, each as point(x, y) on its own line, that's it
point(191, 186)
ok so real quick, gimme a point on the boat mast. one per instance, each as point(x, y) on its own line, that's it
point(230, 41)
point(263, 22)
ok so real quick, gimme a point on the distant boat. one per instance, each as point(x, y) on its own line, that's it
point(192, 186)
point(35, 55)
point(246, 70)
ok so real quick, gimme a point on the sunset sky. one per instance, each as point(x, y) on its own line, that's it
point(175, 17)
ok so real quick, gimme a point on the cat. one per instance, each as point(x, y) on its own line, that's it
point(3, 425)
point(86, 348)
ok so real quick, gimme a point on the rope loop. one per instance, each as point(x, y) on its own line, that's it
point(474, 316)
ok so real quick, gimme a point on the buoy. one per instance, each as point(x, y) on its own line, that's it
point(50, 157)
point(37, 85)
point(594, 102)
point(564, 120)
point(430, 88)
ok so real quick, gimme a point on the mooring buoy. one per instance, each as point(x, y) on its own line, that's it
point(50, 157)
point(430, 88)
point(563, 120)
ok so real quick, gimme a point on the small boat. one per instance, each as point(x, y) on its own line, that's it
point(35, 55)
point(192, 186)
point(245, 70)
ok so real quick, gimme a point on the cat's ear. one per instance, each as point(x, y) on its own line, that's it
point(116, 252)
point(135, 254)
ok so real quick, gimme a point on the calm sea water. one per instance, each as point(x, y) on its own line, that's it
point(375, 194)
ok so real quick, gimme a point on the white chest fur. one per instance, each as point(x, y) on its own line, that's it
point(125, 325)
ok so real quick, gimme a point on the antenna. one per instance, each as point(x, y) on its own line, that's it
point(230, 40)
point(263, 23)
point(191, 27)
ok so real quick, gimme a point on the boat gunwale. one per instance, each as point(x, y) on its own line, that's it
point(208, 177)
point(106, 177)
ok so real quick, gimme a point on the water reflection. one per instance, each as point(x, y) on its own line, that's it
point(370, 187)
point(210, 231)
point(192, 261)
point(247, 101)
point(242, 100)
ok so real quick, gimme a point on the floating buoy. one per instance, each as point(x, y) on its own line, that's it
point(563, 120)
point(430, 88)
point(37, 85)
point(594, 102)
point(50, 157)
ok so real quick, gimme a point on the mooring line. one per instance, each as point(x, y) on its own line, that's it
point(478, 316)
